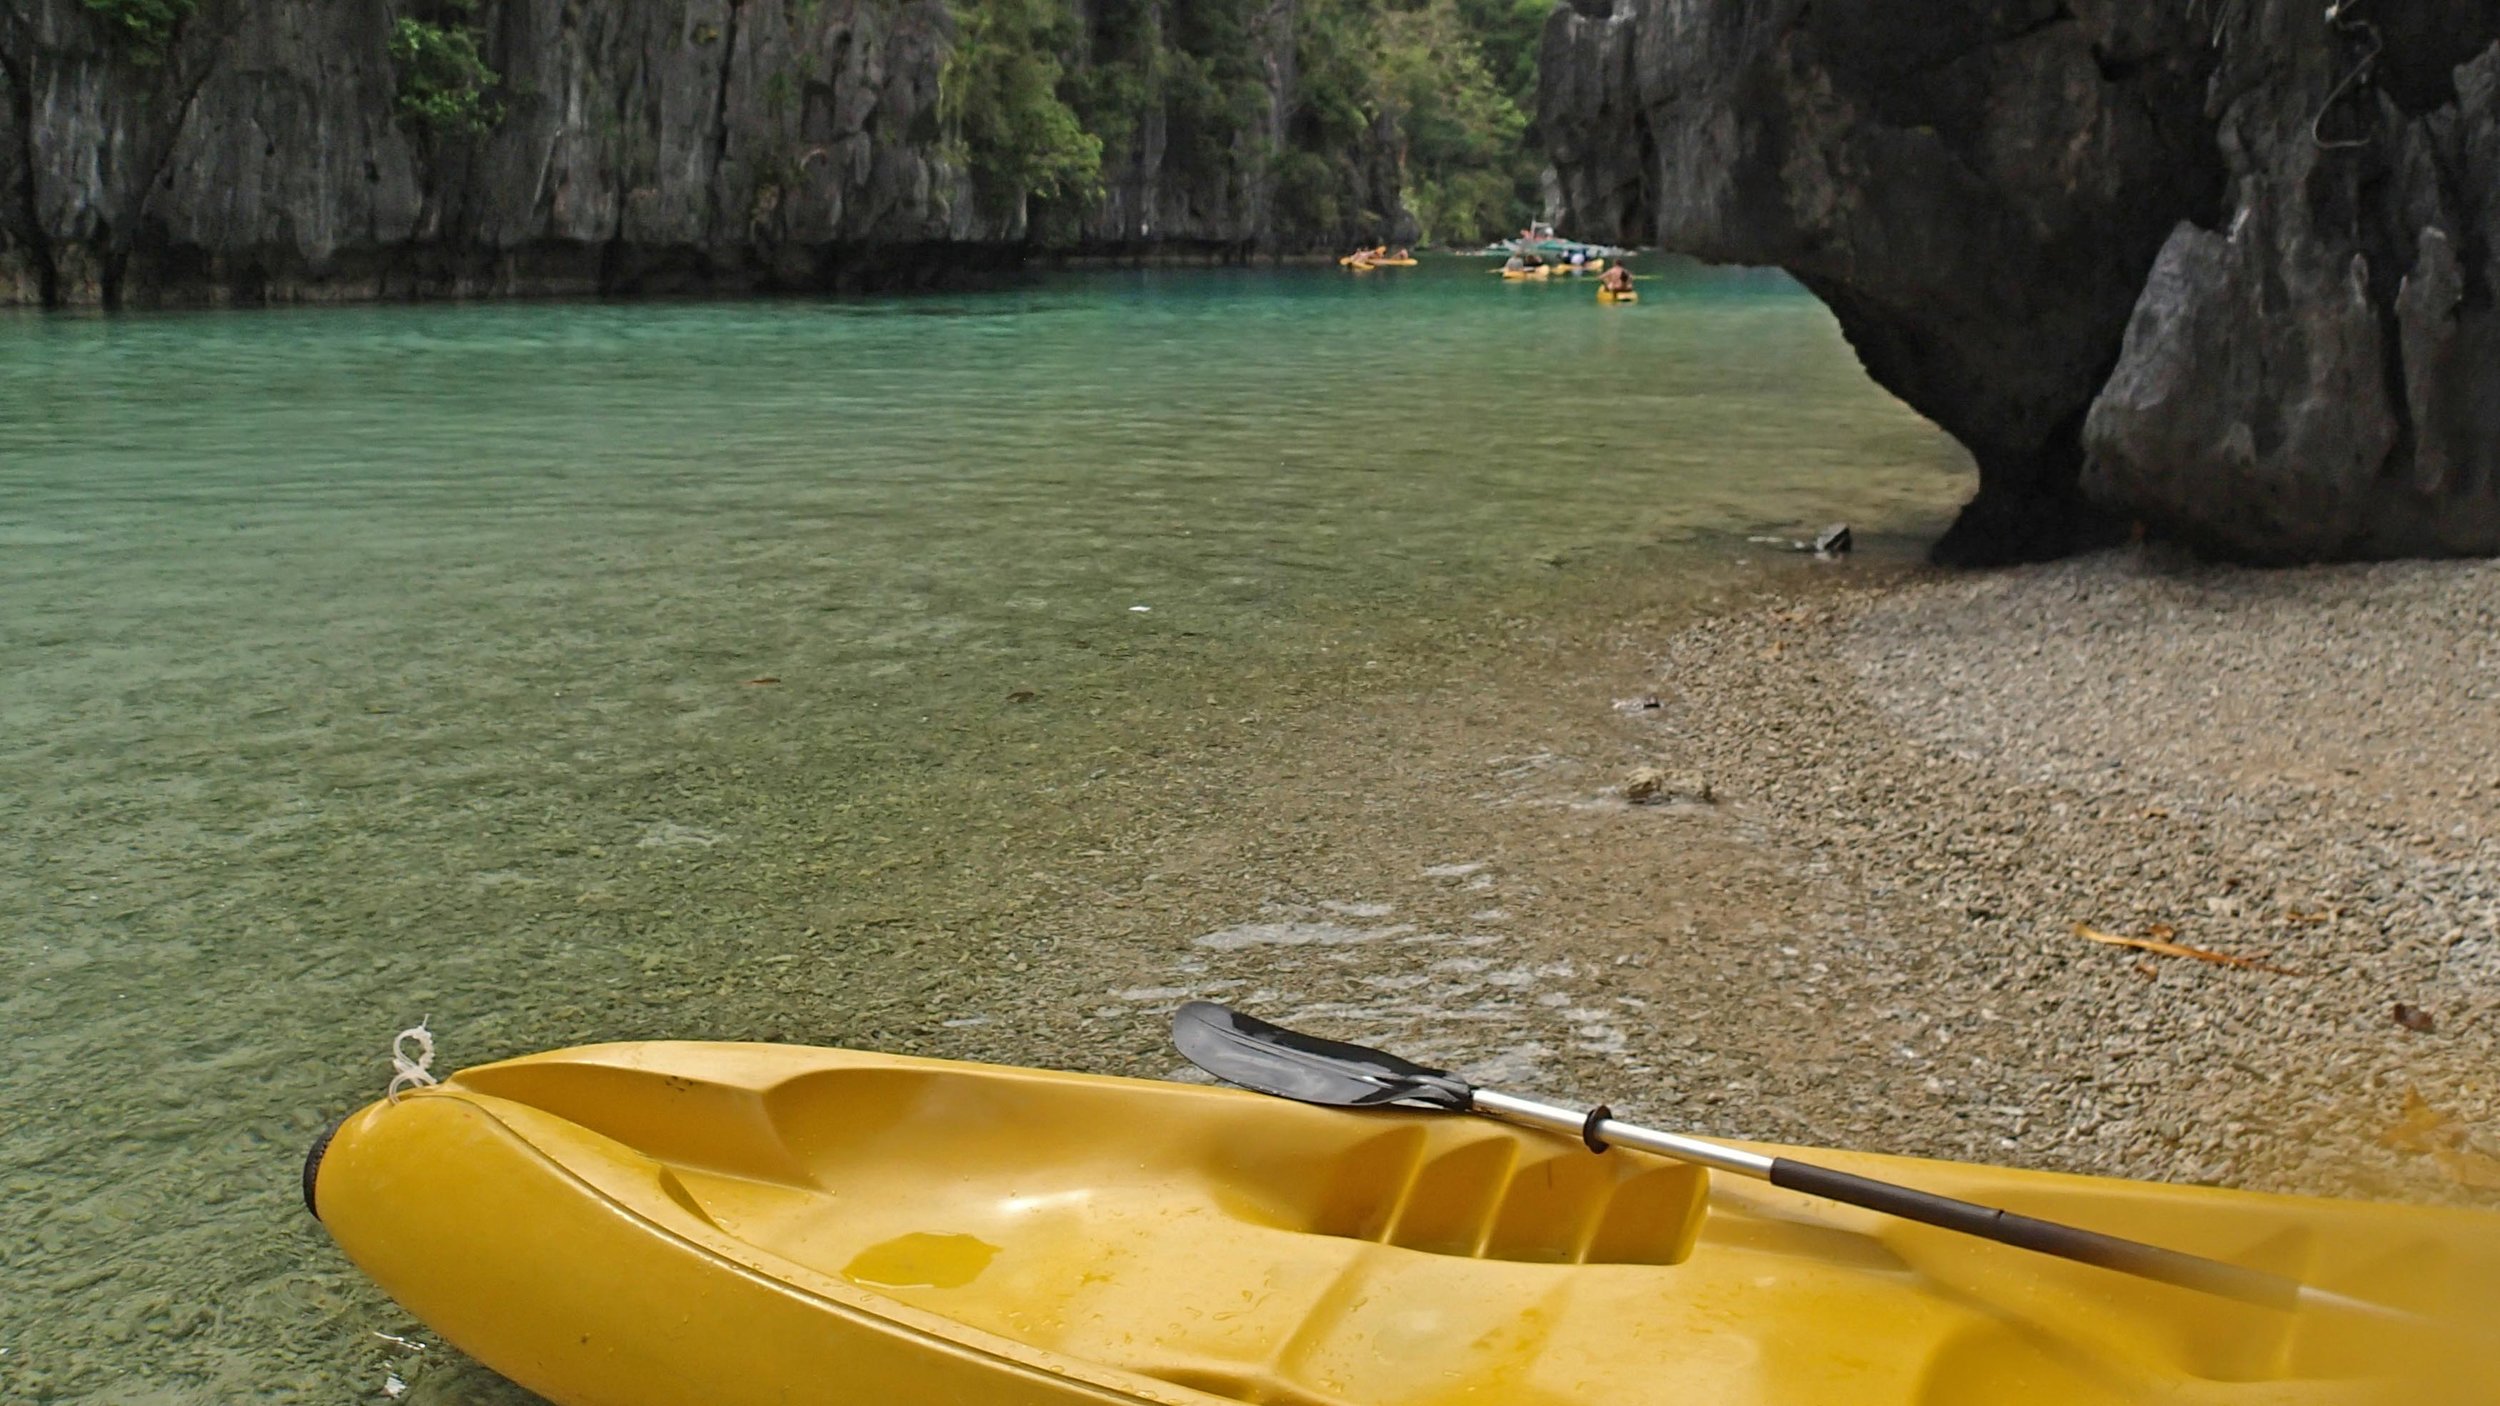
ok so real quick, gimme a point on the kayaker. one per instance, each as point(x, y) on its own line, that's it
point(1616, 280)
point(1516, 263)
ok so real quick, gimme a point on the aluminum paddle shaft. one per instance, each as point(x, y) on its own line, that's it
point(2005, 1227)
point(1245, 1050)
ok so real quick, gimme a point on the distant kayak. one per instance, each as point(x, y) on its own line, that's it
point(1609, 295)
point(1538, 272)
point(663, 1224)
point(1393, 263)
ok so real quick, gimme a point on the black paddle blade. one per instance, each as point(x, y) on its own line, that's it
point(1245, 1050)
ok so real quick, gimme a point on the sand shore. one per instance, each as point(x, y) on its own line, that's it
point(1919, 786)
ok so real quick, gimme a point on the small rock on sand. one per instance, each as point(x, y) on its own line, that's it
point(1651, 786)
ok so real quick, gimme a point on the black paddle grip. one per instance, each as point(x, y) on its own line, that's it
point(2048, 1237)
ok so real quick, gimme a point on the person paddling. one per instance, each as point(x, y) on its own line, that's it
point(1616, 280)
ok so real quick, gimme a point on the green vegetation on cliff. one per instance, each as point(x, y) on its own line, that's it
point(999, 98)
point(146, 26)
point(1467, 167)
point(1325, 106)
point(445, 84)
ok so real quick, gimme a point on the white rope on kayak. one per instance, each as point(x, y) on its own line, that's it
point(409, 1073)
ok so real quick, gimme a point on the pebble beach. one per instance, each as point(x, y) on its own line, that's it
point(2123, 865)
point(2294, 775)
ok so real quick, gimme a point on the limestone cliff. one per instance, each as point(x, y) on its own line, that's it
point(2097, 240)
point(720, 145)
point(2317, 373)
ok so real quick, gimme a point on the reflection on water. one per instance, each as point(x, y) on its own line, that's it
point(561, 671)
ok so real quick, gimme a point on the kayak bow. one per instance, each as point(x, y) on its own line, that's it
point(659, 1224)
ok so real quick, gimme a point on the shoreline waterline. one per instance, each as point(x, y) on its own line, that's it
point(978, 676)
point(828, 672)
point(1427, 842)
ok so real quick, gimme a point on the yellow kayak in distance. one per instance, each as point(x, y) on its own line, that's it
point(739, 1224)
point(1609, 295)
point(1393, 263)
point(1542, 271)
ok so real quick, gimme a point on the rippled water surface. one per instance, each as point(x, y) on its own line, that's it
point(567, 672)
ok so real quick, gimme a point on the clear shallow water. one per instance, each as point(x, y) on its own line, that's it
point(357, 665)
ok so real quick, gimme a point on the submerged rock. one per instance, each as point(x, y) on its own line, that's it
point(2006, 201)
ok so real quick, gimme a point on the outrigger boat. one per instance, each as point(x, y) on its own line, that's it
point(1539, 239)
point(739, 1224)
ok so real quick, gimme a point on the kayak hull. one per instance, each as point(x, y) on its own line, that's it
point(656, 1224)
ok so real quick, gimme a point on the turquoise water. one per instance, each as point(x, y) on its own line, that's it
point(565, 672)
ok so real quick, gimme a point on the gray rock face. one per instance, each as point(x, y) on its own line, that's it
point(1976, 189)
point(264, 156)
point(1981, 190)
point(22, 273)
point(2321, 376)
point(715, 144)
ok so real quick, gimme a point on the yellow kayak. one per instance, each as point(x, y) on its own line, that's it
point(1541, 271)
point(1393, 263)
point(735, 1225)
point(1609, 295)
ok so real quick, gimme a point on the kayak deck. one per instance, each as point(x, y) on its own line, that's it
point(924, 1231)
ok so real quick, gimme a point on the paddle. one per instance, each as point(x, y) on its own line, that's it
point(1245, 1050)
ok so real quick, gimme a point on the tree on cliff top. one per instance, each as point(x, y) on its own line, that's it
point(445, 83)
point(1420, 72)
point(145, 26)
point(1033, 102)
point(999, 101)
point(1468, 171)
